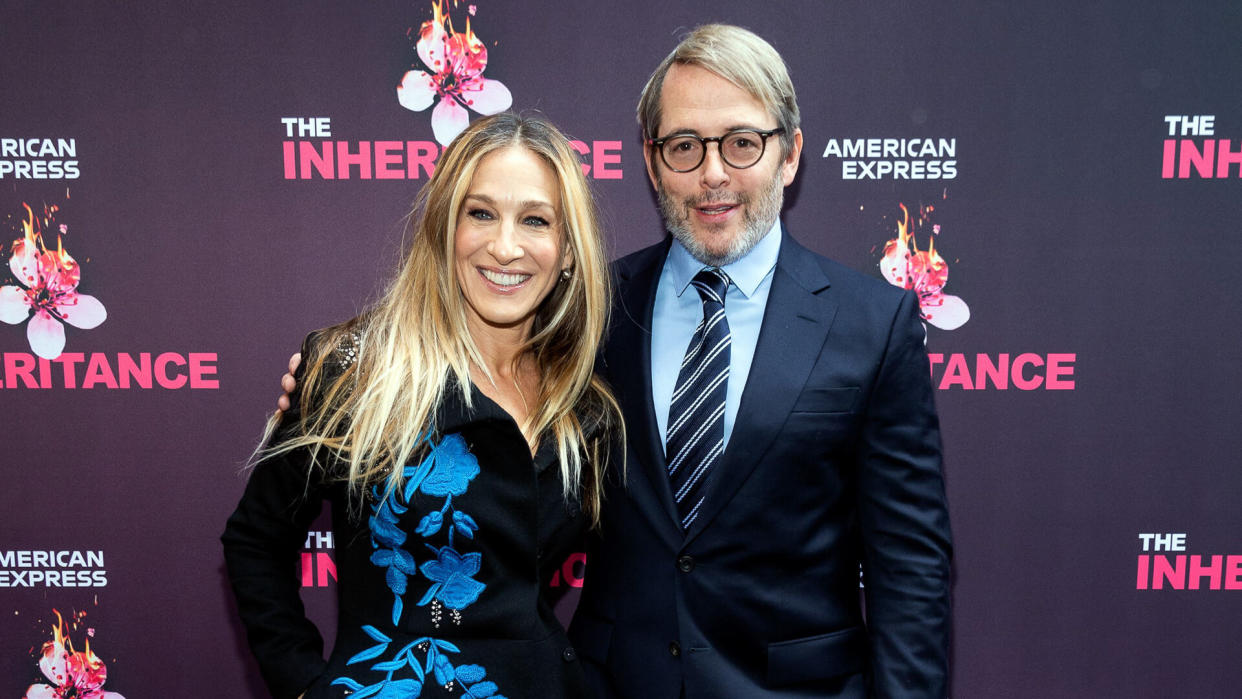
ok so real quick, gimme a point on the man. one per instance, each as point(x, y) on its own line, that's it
point(781, 429)
point(773, 446)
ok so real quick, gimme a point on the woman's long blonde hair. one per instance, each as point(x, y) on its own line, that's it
point(374, 414)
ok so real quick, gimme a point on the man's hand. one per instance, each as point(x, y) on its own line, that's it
point(288, 383)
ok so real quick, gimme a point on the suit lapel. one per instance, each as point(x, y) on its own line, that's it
point(628, 368)
point(795, 326)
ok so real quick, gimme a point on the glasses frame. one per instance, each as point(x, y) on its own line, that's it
point(658, 144)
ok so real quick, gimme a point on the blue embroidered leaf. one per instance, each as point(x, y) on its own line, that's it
point(367, 691)
point(469, 674)
point(431, 658)
point(348, 682)
point(401, 689)
point(431, 593)
point(415, 665)
point(372, 652)
point(464, 530)
point(396, 580)
point(483, 689)
point(403, 561)
point(375, 633)
point(382, 557)
point(389, 665)
point(461, 519)
point(387, 532)
point(397, 508)
point(416, 478)
point(444, 670)
point(446, 646)
point(396, 609)
point(430, 523)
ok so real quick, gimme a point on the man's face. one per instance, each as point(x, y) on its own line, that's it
point(717, 211)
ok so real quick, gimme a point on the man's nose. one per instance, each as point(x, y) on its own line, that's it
point(714, 173)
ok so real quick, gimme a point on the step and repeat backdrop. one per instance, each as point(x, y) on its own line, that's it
point(187, 189)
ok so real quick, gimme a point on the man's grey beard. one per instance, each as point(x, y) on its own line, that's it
point(759, 218)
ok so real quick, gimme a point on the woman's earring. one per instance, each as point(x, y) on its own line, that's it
point(566, 274)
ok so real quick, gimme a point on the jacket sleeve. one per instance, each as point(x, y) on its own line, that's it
point(904, 521)
point(261, 544)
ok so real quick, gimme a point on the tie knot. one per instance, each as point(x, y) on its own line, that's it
point(711, 283)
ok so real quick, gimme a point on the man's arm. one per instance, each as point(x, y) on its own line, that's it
point(904, 519)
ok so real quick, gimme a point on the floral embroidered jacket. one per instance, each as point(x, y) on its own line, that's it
point(442, 584)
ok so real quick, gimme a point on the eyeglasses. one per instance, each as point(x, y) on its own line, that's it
point(739, 148)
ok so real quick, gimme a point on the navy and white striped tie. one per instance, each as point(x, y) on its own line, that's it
point(695, 438)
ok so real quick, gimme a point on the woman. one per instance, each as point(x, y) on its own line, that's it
point(460, 436)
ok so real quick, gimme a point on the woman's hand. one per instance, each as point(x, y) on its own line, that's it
point(287, 384)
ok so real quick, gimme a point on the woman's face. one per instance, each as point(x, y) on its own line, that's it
point(508, 247)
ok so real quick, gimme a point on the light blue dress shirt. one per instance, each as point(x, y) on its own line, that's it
point(678, 311)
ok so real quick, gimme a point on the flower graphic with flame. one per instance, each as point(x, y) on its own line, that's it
point(925, 271)
point(452, 71)
point(50, 296)
point(75, 675)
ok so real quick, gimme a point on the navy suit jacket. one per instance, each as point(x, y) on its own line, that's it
point(834, 461)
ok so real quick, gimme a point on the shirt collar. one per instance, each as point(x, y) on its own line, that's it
point(746, 273)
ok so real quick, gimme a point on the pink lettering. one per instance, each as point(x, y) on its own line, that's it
point(202, 365)
point(1175, 574)
point(308, 569)
point(997, 373)
point(1212, 571)
point(69, 361)
point(19, 366)
point(129, 370)
point(1170, 154)
point(1019, 378)
point(606, 153)
point(388, 153)
point(161, 370)
point(346, 160)
point(583, 149)
point(1143, 565)
point(290, 162)
point(309, 157)
point(1202, 160)
point(98, 371)
point(574, 569)
point(421, 155)
point(1233, 573)
point(956, 373)
point(1057, 370)
point(326, 567)
point(1226, 157)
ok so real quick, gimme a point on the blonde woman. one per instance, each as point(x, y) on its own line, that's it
point(460, 436)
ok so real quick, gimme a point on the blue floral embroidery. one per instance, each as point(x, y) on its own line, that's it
point(453, 575)
point(445, 472)
point(435, 664)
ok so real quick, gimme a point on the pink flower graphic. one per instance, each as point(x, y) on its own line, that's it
point(79, 675)
point(926, 272)
point(50, 296)
point(454, 73)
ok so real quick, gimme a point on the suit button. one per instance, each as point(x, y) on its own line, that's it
point(568, 655)
point(685, 564)
point(674, 649)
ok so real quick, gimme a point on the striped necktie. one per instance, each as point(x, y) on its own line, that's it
point(695, 439)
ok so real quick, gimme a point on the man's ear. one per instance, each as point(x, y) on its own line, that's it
point(789, 166)
point(647, 157)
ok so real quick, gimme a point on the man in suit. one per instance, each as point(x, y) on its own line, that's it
point(781, 429)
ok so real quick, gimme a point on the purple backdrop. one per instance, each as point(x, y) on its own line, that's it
point(1074, 169)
